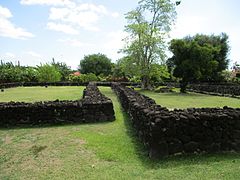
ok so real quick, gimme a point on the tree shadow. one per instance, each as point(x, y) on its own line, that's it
point(32, 126)
point(174, 160)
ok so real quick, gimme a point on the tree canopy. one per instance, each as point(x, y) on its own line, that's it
point(148, 26)
point(96, 64)
point(200, 57)
point(62, 67)
point(48, 73)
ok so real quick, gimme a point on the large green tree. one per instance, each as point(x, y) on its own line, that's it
point(96, 64)
point(199, 58)
point(148, 26)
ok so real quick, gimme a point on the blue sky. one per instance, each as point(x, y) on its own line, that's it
point(35, 31)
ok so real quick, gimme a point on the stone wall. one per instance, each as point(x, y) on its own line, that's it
point(30, 84)
point(166, 132)
point(216, 89)
point(94, 107)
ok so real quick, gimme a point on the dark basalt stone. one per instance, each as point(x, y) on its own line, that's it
point(166, 132)
point(231, 90)
point(94, 107)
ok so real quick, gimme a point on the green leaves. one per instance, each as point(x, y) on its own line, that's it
point(200, 57)
point(96, 64)
point(148, 26)
point(48, 73)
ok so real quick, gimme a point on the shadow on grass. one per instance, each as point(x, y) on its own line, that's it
point(54, 125)
point(177, 160)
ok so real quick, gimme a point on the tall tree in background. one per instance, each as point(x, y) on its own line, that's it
point(148, 26)
point(199, 58)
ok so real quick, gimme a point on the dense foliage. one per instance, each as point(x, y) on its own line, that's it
point(148, 26)
point(199, 58)
point(96, 64)
point(16, 73)
point(48, 73)
point(64, 70)
point(83, 78)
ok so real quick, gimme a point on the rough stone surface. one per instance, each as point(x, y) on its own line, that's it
point(94, 107)
point(216, 89)
point(192, 130)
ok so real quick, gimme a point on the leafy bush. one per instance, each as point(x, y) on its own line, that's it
point(48, 73)
point(111, 78)
point(16, 73)
point(83, 78)
point(97, 64)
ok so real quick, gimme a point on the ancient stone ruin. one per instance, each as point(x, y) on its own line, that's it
point(94, 107)
point(193, 130)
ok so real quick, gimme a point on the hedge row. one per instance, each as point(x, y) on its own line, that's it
point(166, 132)
point(28, 84)
point(94, 107)
point(222, 90)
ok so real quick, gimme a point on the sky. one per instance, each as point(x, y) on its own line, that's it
point(35, 31)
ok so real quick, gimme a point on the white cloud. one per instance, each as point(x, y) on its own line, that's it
point(85, 15)
point(46, 2)
point(8, 29)
point(79, 15)
point(62, 28)
point(115, 40)
point(33, 54)
point(74, 42)
point(115, 14)
point(114, 43)
point(188, 26)
point(5, 13)
point(10, 55)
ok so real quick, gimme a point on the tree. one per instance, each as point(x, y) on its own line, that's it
point(148, 26)
point(96, 64)
point(48, 73)
point(62, 67)
point(128, 66)
point(29, 74)
point(159, 73)
point(199, 58)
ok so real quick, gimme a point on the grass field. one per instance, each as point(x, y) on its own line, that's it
point(181, 101)
point(98, 151)
point(30, 94)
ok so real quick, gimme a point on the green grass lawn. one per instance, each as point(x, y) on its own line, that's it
point(30, 94)
point(99, 151)
point(181, 101)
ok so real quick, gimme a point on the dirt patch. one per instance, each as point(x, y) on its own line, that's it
point(8, 139)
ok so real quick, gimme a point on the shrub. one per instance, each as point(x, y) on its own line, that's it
point(83, 78)
point(48, 73)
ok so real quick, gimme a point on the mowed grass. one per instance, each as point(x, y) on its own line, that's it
point(100, 151)
point(188, 100)
point(51, 93)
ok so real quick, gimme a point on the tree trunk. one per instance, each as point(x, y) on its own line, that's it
point(183, 86)
point(145, 84)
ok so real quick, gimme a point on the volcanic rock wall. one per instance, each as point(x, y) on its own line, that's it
point(166, 132)
point(30, 84)
point(94, 107)
point(216, 89)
